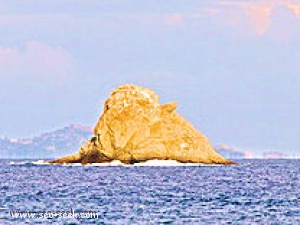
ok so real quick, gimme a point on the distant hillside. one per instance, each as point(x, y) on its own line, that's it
point(68, 140)
point(48, 145)
point(232, 153)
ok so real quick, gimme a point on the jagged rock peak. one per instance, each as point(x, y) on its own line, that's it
point(135, 127)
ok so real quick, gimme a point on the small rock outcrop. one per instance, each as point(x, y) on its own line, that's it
point(135, 127)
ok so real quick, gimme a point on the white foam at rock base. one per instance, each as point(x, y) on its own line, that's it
point(152, 163)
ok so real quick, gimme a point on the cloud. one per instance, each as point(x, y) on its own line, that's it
point(259, 13)
point(35, 60)
point(254, 15)
point(295, 7)
point(173, 19)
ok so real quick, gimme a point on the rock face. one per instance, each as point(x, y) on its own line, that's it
point(135, 127)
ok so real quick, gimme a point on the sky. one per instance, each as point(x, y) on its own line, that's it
point(232, 66)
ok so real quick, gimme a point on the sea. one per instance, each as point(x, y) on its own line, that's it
point(251, 192)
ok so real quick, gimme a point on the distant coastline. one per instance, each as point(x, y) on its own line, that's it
point(68, 140)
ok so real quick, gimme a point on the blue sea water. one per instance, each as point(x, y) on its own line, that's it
point(253, 192)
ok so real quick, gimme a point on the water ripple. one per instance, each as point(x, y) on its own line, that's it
point(254, 192)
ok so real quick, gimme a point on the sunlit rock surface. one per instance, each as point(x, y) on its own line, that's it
point(135, 127)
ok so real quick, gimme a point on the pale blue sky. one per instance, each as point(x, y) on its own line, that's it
point(233, 66)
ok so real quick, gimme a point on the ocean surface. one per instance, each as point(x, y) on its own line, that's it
point(253, 192)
